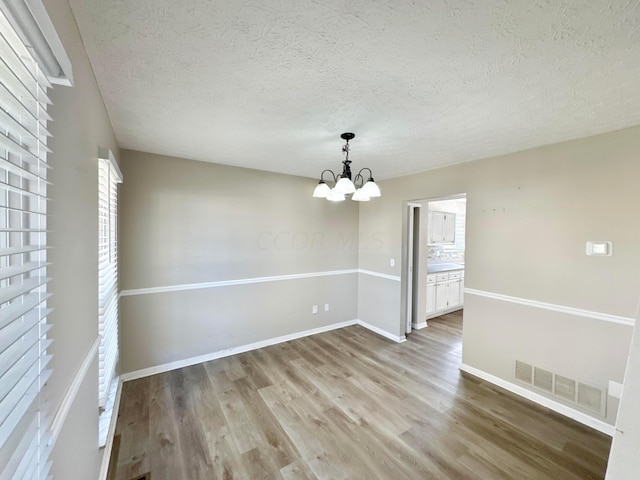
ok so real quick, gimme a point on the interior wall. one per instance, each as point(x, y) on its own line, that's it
point(532, 213)
point(195, 223)
point(624, 462)
point(80, 126)
point(529, 215)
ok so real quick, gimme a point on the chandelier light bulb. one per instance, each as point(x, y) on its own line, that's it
point(335, 196)
point(371, 189)
point(360, 196)
point(345, 186)
point(322, 190)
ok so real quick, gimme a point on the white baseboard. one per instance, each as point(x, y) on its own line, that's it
point(106, 455)
point(558, 407)
point(444, 312)
point(166, 367)
point(381, 332)
point(419, 326)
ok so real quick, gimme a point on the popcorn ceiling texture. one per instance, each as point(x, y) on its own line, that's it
point(272, 84)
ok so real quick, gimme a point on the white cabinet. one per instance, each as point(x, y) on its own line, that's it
point(444, 292)
point(453, 293)
point(441, 228)
point(441, 296)
point(436, 227)
point(431, 294)
point(449, 228)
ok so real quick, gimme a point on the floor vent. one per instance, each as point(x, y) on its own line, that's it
point(146, 476)
point(586, 396)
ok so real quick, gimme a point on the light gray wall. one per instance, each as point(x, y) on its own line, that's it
point(624, 461)
point(80, 125)
point(529, 215)
point(498, 333)
point(186, 222)
point(161, 328)
point(379, 299)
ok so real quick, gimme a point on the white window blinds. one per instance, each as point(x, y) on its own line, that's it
point(108, 178)
point(24, 427)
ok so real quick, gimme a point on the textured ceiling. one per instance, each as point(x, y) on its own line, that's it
point(272, 84)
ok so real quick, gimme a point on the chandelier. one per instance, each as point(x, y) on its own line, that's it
point(359, 189)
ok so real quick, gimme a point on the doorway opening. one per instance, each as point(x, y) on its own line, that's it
point(433, 267)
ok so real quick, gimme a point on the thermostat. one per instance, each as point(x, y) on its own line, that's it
point(601, 249)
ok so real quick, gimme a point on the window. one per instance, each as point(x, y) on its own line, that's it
point(24, 428)
point(108, 178)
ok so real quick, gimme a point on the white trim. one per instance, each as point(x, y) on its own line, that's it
point(453, 196)
point(444, 312)
point(70, 396)
point(145, 372)
point(48, 30)
point(380, 275)
point(227, 283)
point(247, 281)
point(107, 154)
point(106, 454)
point(383, 333)
point(419, 326)
point(166, 367)
point(31, 20)
point(555, 308)
point(558, 407)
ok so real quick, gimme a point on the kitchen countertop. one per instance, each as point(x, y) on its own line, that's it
point(444, 267)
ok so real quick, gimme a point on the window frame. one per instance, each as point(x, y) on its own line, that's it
point(109, 176)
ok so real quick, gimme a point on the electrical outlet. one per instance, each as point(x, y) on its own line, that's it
point(326, 307)
point(392, 262)
point(314, 309)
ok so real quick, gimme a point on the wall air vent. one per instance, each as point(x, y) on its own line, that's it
point(565, 388)
point(543, 379)
point(524, 372)
point(582, 395)
point(590, 397)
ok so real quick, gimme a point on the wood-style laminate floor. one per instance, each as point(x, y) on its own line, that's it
point(345, 404)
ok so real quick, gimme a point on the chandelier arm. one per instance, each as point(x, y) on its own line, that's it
point(362, 186)
point(331, 172)
point(355, 180)
point(368, 169)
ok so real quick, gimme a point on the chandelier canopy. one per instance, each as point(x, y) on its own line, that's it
point(359, 189)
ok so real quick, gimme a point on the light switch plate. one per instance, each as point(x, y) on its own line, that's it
point(599, 248)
